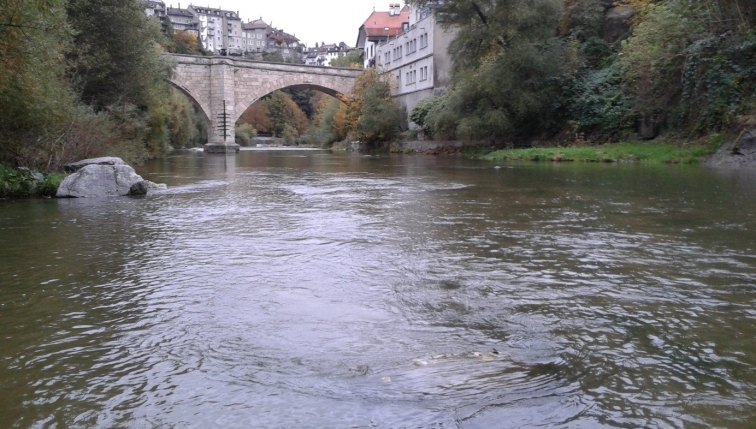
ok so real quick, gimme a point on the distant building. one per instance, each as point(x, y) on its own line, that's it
point(220, 31)
point(155, 8)
point(417, 58)
point(324, 54)
point(260, 37)
point(183, 20)
point(379, 27)
point(255, 36)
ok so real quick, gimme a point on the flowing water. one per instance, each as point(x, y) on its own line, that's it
point(306, 289)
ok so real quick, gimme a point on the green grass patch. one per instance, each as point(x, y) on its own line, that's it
point(23, 183)
point(660, 153)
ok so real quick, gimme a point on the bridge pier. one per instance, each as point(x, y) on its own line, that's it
point(222, 135)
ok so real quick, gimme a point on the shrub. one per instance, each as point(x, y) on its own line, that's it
point(419, 114)
point(24, 183)
point(599, 104)
point(245, 133)
point(289, 135)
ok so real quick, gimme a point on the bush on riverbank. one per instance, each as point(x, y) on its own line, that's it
point(23, 183)
point(660, 153)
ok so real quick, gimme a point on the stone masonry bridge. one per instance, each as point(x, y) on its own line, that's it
point(222, 88)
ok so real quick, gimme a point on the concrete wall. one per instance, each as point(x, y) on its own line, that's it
point(409, 101)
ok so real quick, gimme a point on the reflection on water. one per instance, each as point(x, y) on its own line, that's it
point(309, 289)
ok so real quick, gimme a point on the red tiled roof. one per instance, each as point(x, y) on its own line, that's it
point(375, 25)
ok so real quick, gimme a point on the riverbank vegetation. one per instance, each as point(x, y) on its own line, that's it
point(24, 183)
point(546, 72)
point(84, 78)
point(639, 152)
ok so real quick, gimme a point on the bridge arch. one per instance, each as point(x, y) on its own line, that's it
point(247, 102)
point(223, 88)
point(200, 105)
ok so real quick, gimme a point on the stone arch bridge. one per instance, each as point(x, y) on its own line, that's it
point(222, 88)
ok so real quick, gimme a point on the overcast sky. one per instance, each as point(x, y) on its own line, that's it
point(329, 21)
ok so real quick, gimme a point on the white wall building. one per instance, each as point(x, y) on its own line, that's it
point(219, 30)
point(417, 59)
point(379, 27)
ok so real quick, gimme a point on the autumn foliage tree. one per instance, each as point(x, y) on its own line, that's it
point(283, 111)
point(273, 114)
point(257, 116)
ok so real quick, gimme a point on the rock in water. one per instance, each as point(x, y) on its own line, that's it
point(106, 160)
point(141, 188)
point(96, 180)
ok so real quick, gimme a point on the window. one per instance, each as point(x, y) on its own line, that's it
point(423, 73)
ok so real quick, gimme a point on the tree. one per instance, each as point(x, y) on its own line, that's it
point(373, 115)
point(35, 100)
point(304, 99)
point(115, 59)
point(257, 116)
point(282, 111)
point(352, 60)
point(506, 56)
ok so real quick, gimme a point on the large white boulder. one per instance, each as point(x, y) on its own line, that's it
point(97, 180)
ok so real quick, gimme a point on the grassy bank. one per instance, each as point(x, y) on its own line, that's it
point(622, 152)
point(23, 183)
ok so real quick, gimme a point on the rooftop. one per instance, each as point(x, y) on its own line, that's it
point(383, 24)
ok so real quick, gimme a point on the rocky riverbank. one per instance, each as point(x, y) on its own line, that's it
point(740, 153)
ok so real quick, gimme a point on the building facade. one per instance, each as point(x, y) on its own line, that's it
point(220, 31)
point(155, 8)
point(260, 38)
point(417, 59)
point(324, 54)
point(183, 20)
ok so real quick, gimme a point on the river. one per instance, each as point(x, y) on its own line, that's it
point(309, 289)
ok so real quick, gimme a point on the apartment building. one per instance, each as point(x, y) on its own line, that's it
point(417, 58)
point(260, 37)
point(379, 27)
point(220, 31)
point(155, 8)
point(183, 20)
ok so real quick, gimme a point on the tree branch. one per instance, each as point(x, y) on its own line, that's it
point(483, 18)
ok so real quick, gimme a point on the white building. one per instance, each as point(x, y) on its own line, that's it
point(323, 55)
point(379, 27)
point(219, 30)
point(417, 59)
